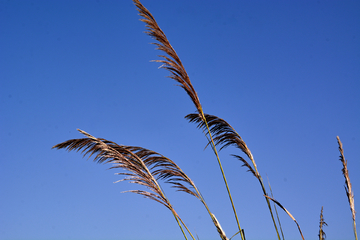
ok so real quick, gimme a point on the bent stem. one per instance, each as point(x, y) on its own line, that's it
point(268, 203)
point(277, 215)
point(288, 213)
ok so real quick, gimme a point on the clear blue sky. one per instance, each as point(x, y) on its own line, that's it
point(284, 74)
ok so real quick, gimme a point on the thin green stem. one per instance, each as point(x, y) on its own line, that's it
point(264, 191)
point(216, 223)
point(348, 188)
point(277, 215)
point(223, 173)
point(258, 176)
point(269, 206)
point(177, 219)
point(182, 230)
point(354, 226)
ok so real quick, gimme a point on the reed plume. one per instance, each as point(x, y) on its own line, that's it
point(322, 234)
point(173, 64)
point(348, 189)
point(225, 135)
point(142, 166)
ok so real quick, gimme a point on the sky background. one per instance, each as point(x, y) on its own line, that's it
point(284, 74)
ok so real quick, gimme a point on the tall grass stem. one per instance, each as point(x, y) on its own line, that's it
point(223, 174)
point(348, 188)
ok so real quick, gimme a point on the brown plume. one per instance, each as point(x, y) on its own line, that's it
point(172, 61)
point(142, 166)
point(224, 135)
point(348, 188)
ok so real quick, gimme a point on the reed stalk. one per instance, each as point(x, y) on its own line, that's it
point(348, 188)
point(277, 215)
point(225, 135)
point(223, 174)
point(322, 234)
point(172, 63)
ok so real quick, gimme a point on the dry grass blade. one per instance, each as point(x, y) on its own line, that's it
point(348, 188)
point(322, 234)
point(171, 62)
point(277, 214)
point(288, 213)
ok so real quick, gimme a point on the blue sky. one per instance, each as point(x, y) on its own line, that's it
point(284, 74)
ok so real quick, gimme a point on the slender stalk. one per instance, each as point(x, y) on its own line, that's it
point(264, 190)
point(322, 234)
point(277, 215)
point(172, 173)
point(223, 174)
point(177, 219)
point(172, 63)
point(348, 188)
point(268, 203)
point(224, 134)
point(182, 230)
point(213, 218)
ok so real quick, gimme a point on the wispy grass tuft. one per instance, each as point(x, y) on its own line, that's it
point(288, 213)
